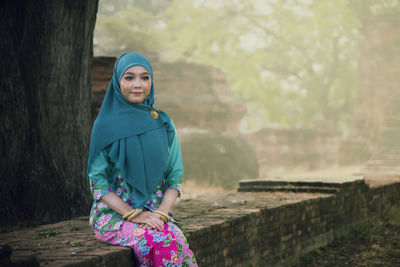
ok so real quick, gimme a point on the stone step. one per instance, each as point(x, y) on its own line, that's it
point(302, 189)
point(294, 183)
point(288, 186)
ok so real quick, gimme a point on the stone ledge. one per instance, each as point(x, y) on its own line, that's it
point(288, 186)
point(72, 243)
point(235, 229)
point(67, 243)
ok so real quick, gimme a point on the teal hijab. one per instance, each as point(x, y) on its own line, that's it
point(136, 142)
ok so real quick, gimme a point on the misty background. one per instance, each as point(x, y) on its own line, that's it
point(313, 85)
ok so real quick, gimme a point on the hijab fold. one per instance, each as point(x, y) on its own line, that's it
point(136, 142)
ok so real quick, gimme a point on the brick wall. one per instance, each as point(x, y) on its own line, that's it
point(231, 229)
point(278, 236)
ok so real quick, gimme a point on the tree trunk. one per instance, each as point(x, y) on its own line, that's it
point(46, 53)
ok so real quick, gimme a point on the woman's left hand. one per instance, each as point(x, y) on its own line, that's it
point(155, 220)
point(168, 201)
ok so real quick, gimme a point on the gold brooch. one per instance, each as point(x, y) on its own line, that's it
point(154, 114)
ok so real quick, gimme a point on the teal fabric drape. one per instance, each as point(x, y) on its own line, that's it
point(137, 143)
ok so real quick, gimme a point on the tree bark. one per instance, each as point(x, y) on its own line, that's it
point(45, 98)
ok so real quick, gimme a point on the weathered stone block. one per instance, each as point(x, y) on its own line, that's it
point(216, 158)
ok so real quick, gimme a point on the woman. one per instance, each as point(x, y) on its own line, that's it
point(135, 169)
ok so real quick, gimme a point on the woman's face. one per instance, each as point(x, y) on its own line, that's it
point(135, 84)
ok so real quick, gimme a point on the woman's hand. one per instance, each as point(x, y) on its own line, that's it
point(149, 221)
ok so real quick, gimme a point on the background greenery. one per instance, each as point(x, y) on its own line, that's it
point(293, 62)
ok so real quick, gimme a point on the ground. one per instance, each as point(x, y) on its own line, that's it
point(375, 242)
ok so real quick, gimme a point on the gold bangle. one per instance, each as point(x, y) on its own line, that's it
point(164, 216)
point(128, 214)
point(161, 213)
point(133, 215)
point(164, 219)
point(136, 213)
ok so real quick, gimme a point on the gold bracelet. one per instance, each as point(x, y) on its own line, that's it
point(128, 214)
point(164, 216)
point(159, 212)
point(136, 213)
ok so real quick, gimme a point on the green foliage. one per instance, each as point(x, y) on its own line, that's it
point(392, 213)
point(49, 233)
point(308, 258)
point(295, 60)
point(75, 228)
point(367, 8)
point(364, 229)
point(121, 26)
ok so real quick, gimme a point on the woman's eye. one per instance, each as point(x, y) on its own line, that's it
point(128, 78)
point(145, 78)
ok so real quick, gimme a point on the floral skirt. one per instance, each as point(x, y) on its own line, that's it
point(168, 247)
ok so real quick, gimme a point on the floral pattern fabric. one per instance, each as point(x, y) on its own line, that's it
point(105, 178)
point(168, 247)
point(103, 218)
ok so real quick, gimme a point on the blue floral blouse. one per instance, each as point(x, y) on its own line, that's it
point(104, 178)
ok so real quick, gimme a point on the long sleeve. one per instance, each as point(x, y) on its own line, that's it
point(98, 176)
point(175, 166)
point(105, 179)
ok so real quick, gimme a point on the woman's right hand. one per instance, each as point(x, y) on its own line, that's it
point(149, 221)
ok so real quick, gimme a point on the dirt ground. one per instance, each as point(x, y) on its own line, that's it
point(375, 242)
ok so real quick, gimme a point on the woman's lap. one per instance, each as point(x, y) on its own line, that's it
point(152, 248)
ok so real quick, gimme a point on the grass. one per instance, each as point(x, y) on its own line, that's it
point(364, 230)
point(372, 242)
point(49, 233)
point(75, 228)
point(392, 213)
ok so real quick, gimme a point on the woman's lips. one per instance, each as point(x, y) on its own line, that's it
point(137, 93)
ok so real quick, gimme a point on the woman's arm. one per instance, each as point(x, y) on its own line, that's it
point(169, 198)
point(116, 203)
point(101, 190)
point(174, 177)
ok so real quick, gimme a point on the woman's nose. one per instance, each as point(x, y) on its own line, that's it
point(136, 83)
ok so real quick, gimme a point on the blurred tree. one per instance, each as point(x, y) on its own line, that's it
point(296, 59)
point(294, 62)
point(45, 76)
point(129, 25)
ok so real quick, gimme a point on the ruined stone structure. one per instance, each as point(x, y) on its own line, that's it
point(310, 148)
point(377, 110)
